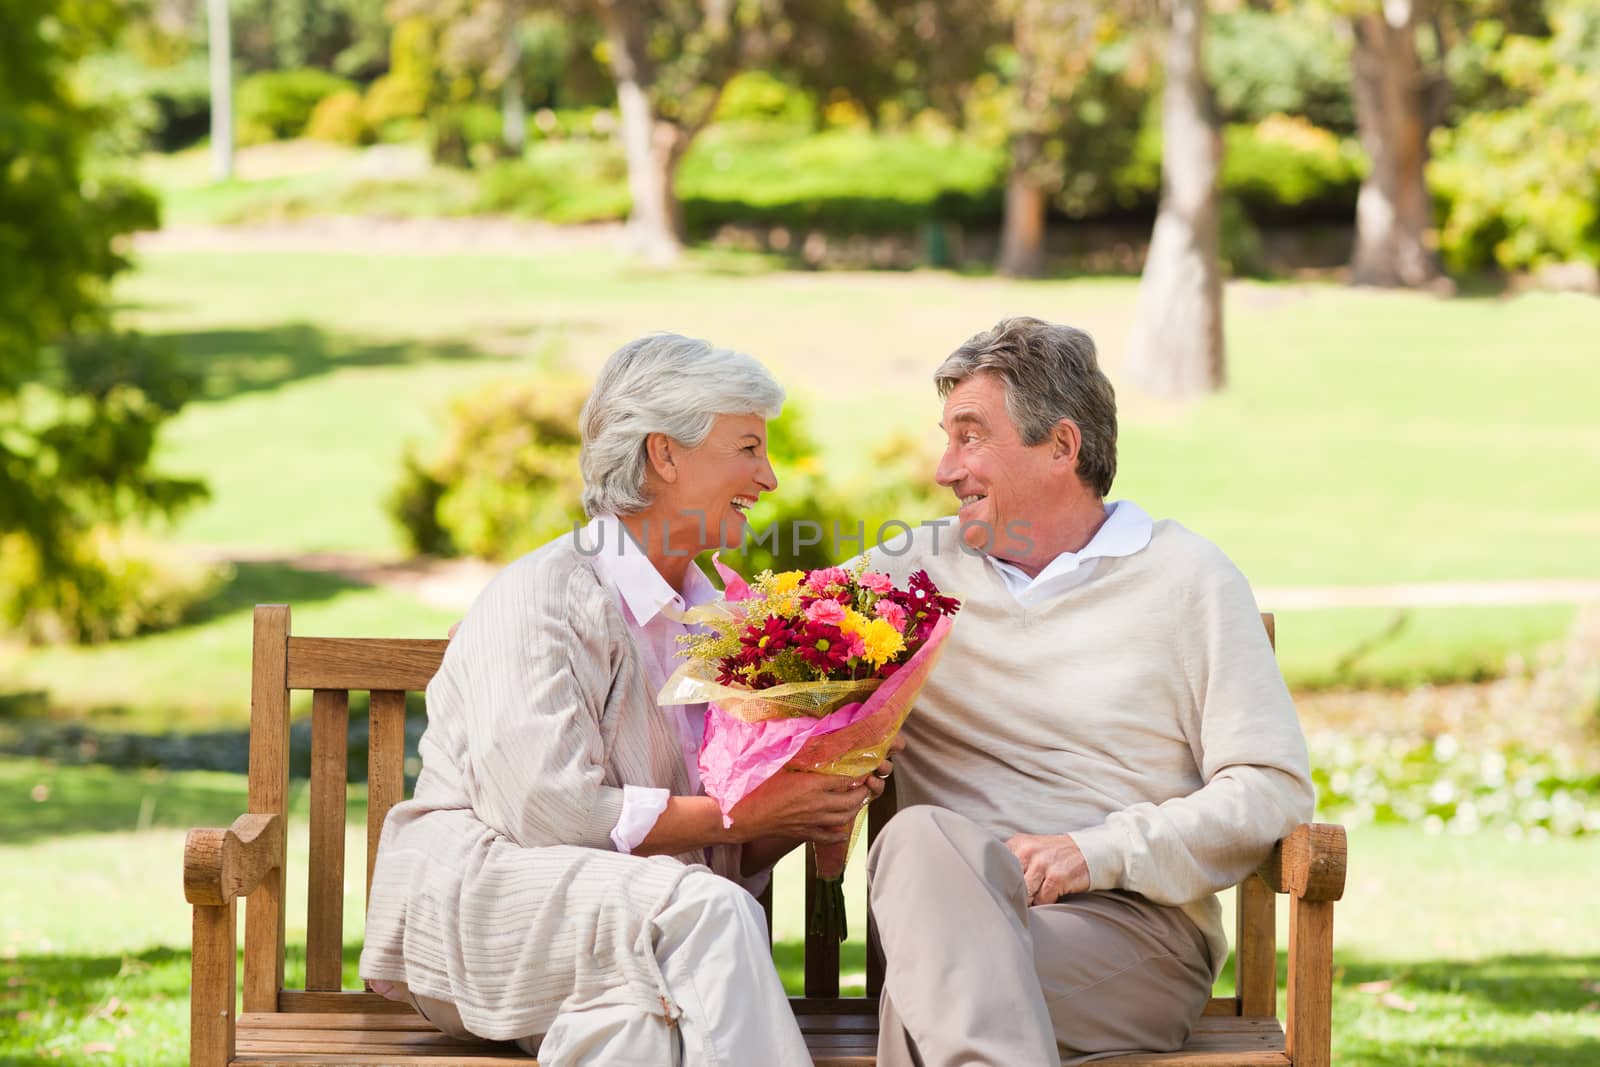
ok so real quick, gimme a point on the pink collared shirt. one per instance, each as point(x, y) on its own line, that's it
point(642, 593)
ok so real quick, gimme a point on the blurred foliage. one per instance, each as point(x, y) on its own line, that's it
point(116, 588)
point(760, 97)
point(1520, 185)
point(1263, 64)
point(278, 104)
point(346, 37)
point(506, 480)
point(341, 118)
point(80, 405)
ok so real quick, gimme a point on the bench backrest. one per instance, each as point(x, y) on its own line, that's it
point(331, 668)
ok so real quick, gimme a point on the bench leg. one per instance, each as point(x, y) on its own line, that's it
point(213, 990)
point(1309, 1030)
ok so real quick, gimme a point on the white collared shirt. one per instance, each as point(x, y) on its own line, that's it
point(641, 593)
point(1126, 530)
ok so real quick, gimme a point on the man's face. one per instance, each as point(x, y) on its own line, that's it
point(998, 479)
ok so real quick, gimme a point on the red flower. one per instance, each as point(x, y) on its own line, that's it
point(766, 640)
point(823, 646)
point(925, 595)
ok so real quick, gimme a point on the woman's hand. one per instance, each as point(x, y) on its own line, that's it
point(804, 804)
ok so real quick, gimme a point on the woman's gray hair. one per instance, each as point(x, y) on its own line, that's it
point(1050, 373)
point(664, 384)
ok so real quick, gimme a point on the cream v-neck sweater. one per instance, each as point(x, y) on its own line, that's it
point(1142, 712)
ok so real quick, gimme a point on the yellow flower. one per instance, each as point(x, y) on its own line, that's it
point(883, 642)
point(854, 622)
point(787, 582)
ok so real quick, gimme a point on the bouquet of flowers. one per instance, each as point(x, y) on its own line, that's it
point(807, 670)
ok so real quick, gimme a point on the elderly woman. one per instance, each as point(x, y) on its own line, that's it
point(548, 882)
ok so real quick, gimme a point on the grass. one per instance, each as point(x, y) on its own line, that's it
point(1364, 438)
point(1490, 948)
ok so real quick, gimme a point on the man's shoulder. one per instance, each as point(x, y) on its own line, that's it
point(1188, 561)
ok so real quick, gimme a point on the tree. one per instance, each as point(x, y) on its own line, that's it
point(220, 46)
point(1075, 87)
point(1399, 99)
point(1176, 348)
point(80, 406)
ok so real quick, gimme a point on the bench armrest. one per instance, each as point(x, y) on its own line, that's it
point(1308, 864)
point(222, 865)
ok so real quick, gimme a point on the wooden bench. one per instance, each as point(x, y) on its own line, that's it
point(324, 1023)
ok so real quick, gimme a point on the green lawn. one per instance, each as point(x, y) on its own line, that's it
point(1364, 438)
point(1490, 947)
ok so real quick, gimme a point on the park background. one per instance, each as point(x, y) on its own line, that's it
point(333, 356)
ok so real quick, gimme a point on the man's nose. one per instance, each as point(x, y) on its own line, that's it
point(948, 472)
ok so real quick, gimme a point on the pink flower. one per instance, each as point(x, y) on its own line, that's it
point(878, 583)
point(829, 612)
point(857, 647)
point(894, 613)
point(823, 578)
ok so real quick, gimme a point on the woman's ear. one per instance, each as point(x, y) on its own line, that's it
point(659, 448)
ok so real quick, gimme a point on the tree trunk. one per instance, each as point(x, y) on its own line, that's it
point(1022, 236)
point(513, 115)
point(1392, 98)
point(652, 145)
point(220, 45)
point(1176, 347)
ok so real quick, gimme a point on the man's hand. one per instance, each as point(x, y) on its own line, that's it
point(1052, 866)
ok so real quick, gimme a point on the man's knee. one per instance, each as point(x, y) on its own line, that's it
point(917, 832)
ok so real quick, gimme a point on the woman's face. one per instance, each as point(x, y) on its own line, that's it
point(720, 480)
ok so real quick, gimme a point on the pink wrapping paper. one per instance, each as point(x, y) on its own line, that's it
point(738, 756)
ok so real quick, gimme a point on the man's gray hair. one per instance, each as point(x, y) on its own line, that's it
point(1050, 373)
point(667, 384)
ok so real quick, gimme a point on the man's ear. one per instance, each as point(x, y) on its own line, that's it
point(1066, 441)
point(659, 449)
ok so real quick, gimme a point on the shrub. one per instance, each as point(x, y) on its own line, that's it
point(1284, 167)
point(560, 181)
point(507, 478)
point(1520, 186)
point(279, 104)
point(340, 118)
point(757, 96)
point(121, 588)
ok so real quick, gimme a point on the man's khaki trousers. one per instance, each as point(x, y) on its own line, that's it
point(975, 976)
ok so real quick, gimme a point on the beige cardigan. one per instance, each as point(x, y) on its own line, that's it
point(497, 885)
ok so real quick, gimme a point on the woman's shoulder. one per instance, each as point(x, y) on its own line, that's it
point(557, 578)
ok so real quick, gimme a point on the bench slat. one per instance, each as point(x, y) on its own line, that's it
point(386, 766)
point(363, 663)
point(348, 1000)
point(330, 743)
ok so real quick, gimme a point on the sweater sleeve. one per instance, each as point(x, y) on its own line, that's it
point(1248, 749)
point(536, 671)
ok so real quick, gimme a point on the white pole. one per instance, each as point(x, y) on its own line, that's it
point(221, 48)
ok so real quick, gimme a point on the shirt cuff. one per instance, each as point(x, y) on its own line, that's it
point(641, 807)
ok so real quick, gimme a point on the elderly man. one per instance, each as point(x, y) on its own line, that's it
point(1106, 744)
